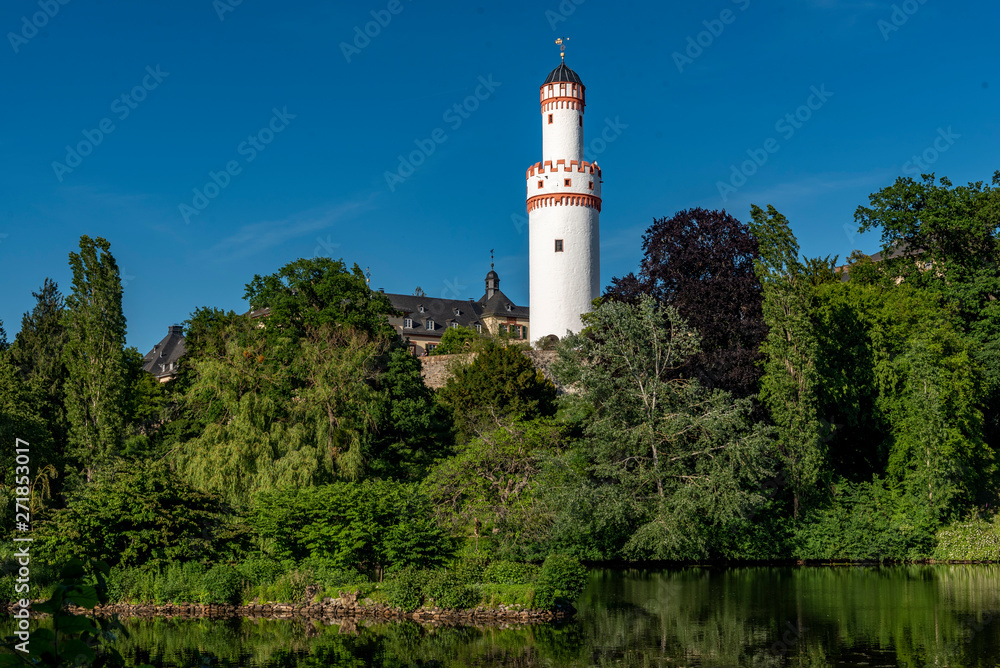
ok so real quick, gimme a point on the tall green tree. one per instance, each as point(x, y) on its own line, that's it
point(94, 356)
point(790, 385)
point(676, 461)
point(310, 292)
point(946, 239)
point(38, 355)
point(499, 382)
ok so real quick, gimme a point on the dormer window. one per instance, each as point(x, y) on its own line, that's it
point(508, 307)
point(479, 328)
point(420, 308)
point(457, 311)
point(454, 325)
point(407, 323)
point(430, 324)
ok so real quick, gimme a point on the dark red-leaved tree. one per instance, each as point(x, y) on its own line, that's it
point(701, 263)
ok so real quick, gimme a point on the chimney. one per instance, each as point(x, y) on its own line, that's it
point(175, 329)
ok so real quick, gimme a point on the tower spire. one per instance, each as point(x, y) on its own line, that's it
point(561, 41)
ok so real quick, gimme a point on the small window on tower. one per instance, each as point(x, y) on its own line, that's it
point(541, 184)
point(581, 121)
point(590, 184)
point(567, 182)
point(559, 245)
point(550, 119)
point(551, 87)
point(562, 89)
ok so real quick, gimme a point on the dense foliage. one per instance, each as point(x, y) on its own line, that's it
point(730, 400)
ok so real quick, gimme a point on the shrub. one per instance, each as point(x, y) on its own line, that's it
point(288, 588)
point(972, 540)
point(221, 584)
point(510, 573)
point(179, 583)
point(330, 575)
point(450, 590)
point(404, 588)
point(260, 570)
point(561, 579)
point(493, 595)
point(381, 524)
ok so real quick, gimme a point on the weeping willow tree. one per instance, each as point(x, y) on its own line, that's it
point(318, 390)
point(264, 436)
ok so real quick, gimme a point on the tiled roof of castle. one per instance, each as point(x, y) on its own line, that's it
point(161, 359)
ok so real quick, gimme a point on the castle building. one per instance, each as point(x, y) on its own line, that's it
point(423, 320)
point(564, 205)
point(162, 360)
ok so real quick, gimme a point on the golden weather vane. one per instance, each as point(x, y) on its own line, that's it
point(561, 41)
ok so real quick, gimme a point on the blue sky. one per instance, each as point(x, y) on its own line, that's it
point(308, 128)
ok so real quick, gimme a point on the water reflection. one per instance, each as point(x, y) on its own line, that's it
point(913, 616)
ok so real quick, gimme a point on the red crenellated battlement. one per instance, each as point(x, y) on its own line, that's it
point(581, 166)
point(569, 199)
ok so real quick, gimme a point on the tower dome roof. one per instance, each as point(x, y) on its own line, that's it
point(562, 73)
point(492, 275)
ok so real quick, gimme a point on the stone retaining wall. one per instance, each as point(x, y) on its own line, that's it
point(435, 368)
point(341, 610)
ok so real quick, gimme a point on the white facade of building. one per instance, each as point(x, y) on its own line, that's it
point(564, 204)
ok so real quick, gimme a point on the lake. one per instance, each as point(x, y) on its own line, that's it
point(914, 616)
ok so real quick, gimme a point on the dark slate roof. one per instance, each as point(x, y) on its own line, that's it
point(562, 73)
point(158, 360)
point(498, 304)
point(442, 311)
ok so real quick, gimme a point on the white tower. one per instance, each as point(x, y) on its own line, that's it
point(564, 203)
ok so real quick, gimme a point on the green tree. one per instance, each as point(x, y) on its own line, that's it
point(133, 513)
point(672, 462)
point(310, 292)
point(94, 356)
point(790, 385)
point(38, 355)
point(946, 239)
point(368, 526)
point(493, 490)
point(500, 382)
point(413, 429)
point(457, 340)
point(931, 394)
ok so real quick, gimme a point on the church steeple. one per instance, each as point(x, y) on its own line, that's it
point(492, 279)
